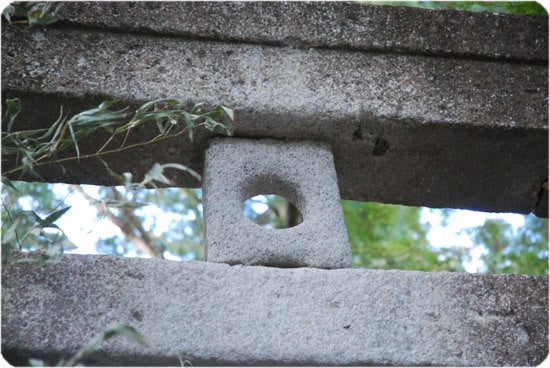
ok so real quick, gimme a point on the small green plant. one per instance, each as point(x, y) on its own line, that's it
point(30, 149)
point(33, 148)
point(32, 13)
point(43, 236)
point(123, 330)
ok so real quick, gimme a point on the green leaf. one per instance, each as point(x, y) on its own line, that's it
point(164, 116)
point(197, 108)
point(38, 14)
point(216, 127)
point(74, 141)
point(53, 259)
point(190, 124)
point(114, 175)
point(65, 244)
point(154, 174)
point(6, 253)
point(151, 104)
point(7, 182)
point(53, 217)
point(13, 108)
point(183, 168)
point(42, 260)
point(157, 174)
point(8, 12)
point(127, 180)
point(128, 332)
point(42, 222)
point(60, 244)
point(48, 222)
point(123, 330)
point(228, 112)
point(99, 114)
point(28, 170)
point(10, 235)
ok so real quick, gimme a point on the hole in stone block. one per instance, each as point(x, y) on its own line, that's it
point(272, 211)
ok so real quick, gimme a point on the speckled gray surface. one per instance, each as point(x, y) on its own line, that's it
point(212, 314)
point(302, 172)
point(460, 98)
point(327, 24)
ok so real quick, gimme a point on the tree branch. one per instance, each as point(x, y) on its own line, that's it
point(129, 224)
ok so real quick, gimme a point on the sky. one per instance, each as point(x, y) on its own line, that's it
point(452, 234)
point(83, 228)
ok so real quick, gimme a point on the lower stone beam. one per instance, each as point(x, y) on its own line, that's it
point(216, 314)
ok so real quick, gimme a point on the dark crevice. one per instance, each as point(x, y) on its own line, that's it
point(380, 146)
point(284, 264)
point(541, 208)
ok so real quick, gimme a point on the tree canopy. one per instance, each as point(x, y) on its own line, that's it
point(381, 235)
point(515, 7)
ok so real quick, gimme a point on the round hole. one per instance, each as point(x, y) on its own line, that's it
point(272, 211)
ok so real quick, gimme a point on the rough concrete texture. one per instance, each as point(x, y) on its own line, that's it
point(457, 128)
point(302, 172)
point(328, 25)
point(216, 314)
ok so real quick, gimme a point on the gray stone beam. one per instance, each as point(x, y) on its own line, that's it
point(417, 118)
point(216, 314)
point(328, 25)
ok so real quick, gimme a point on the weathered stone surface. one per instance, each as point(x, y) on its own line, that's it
point(214, 314)
point(302, 172)
point(464, 129)
point(328, 25)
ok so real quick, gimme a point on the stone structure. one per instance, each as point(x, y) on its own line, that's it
point(216, 314)
point(303, 172)
point(461, 98)
point(445, 109)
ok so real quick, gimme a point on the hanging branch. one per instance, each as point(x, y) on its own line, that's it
point(37, 147)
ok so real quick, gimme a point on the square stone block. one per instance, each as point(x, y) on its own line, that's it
point(302, 172)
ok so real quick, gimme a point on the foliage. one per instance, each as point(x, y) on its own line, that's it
point(381, 236)
point(31, 230)
point(515, 7)
point(32, 13)
point(123, 330)
point(391, 236)
point(506, 251)
point(36, 147)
